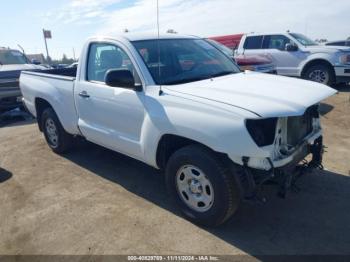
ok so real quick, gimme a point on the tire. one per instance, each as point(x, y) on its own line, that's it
point(320, 73)
point(199, 165)
point(56, 137)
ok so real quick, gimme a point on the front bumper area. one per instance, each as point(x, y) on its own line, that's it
point(251, 180)
point(342, 73)
point(265, 163)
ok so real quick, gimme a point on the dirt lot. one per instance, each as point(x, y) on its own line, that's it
point(94, 201)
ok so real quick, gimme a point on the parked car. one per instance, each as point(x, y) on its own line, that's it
point(12, 62)
point(339, 43)
point(296, 55)
point(74, 65)
point(218, 133)
point(258, 63)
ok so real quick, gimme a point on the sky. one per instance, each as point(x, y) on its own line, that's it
point(73, 21)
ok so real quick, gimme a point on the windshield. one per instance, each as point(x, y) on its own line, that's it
point(12, 57)
point(303, 39)
point(183, 60)
point(227, 51)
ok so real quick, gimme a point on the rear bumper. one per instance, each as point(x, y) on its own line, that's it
point(342, 73)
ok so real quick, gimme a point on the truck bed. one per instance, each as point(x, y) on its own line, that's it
point(56, 87)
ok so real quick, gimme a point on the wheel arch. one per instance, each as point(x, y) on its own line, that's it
point(170, 143)
point(40, 105)
point(316, 61)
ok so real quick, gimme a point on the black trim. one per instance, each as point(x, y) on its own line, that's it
point(343, 79)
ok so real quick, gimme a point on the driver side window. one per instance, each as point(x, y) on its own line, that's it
point(103, 57)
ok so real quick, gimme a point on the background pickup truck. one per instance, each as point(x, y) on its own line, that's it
point(12, 62)
point(257, 63)
point(218, 133)
point(296, 55)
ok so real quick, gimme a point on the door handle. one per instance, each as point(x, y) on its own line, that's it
point(84, 94)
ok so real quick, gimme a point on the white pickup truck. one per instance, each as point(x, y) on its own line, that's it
point(296, 55)
point(177, 103)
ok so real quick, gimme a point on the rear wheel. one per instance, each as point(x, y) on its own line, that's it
point(202, 186)
point(320, 73)
point(56, 137)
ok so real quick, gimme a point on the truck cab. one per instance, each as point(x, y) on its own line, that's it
point(298, 56)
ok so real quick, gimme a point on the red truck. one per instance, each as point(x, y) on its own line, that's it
point(257, 63)
point(231, 41)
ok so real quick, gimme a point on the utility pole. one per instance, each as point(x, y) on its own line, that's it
point(47, 35)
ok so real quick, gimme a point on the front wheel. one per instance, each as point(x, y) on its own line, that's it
point(202, 186)
point(320, 73)
point(56, 137)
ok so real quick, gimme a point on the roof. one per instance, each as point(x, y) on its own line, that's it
point(140, 37)
point(8, 49)
point(269, 33)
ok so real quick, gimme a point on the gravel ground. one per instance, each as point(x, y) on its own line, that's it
point(94, 201)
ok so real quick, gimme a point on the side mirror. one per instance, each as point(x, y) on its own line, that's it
point(291, 47)
point(121, 78)
point(35, 62)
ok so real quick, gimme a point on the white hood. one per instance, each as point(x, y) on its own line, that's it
point(265, 95)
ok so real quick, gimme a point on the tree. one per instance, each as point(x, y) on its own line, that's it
point(64, 60)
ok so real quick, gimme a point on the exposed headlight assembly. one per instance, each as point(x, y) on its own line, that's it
point(262, 130)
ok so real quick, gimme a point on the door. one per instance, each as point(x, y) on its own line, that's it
point(110, 116)
point(286, 62)
point(253, 45)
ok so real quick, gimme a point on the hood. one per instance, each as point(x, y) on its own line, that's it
point(263, 94)
point(327, 49)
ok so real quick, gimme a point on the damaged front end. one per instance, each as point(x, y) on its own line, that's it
point(289, 140)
